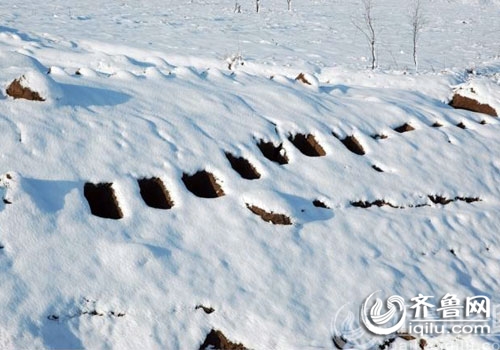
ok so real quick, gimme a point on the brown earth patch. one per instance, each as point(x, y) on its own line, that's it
point(379, 137)
point(462, 102)
point(203, 184)
point(302, 78)
point(274, 153)
point(276, 219)
point(437, 199)
point(206, 309)
point(307, 145)
point(319, 204)
point(353, 145)
point(243, 167)
point(16, 90)
point(154, 193)
point(376, 168)
point(102, 200)
point(379, 203)
point(404, 128)
point(217, 340)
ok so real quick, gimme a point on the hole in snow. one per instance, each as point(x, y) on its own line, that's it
point(353, 145)
point(154, 193)
point(379, 136)
point(102, 200)
point(216, 340)
point(243, 167)
point(376, 168)
point(404, 128)
point(206, 309)
point(276, 219)
point(308, 145)
point(274, 153)
point(203, 184)
point(437, 125)
point(319, 204)
point(461, 125)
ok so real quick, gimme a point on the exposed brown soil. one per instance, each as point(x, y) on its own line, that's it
point(406, 336)
point(274, 153)
point(154, 193)
point(206, 309)
point(461, 102)
point(302, 78)
point(404, 128)
point(16, 90)
point(215, 340)
point(437, 199)
point(376, 168)
point(319, 204)
point(353, 145)
point(307, 144)
point(379, 203)
point(276, 219)
point(203, 184)
point(102, 200)
point(379, 136)
point(437, 125)
point(243, 167)
point(461, 125)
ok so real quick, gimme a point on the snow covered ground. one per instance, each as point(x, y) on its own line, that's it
point(141, 89)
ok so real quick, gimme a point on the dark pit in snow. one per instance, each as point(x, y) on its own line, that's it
point(102, 200)
point(307, 145)
point(154, 193)
point(274, 153)
point(243, 167)
point(203, 184)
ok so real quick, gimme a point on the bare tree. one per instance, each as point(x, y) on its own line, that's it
point(367, 28)
point(417, 23)
point(257, 5)
point(289, 5)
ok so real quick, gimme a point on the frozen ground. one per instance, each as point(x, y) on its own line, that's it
point(154, 97)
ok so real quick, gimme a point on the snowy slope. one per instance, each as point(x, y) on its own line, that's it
point(150, 102)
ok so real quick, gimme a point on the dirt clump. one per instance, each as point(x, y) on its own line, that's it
point(469, 104)
point(16, 90)
point(378, 202)
point(404, 128)
point(275, 219)
point(302, 78)
point(319, 204)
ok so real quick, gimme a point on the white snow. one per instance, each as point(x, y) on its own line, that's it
point(154, 97)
